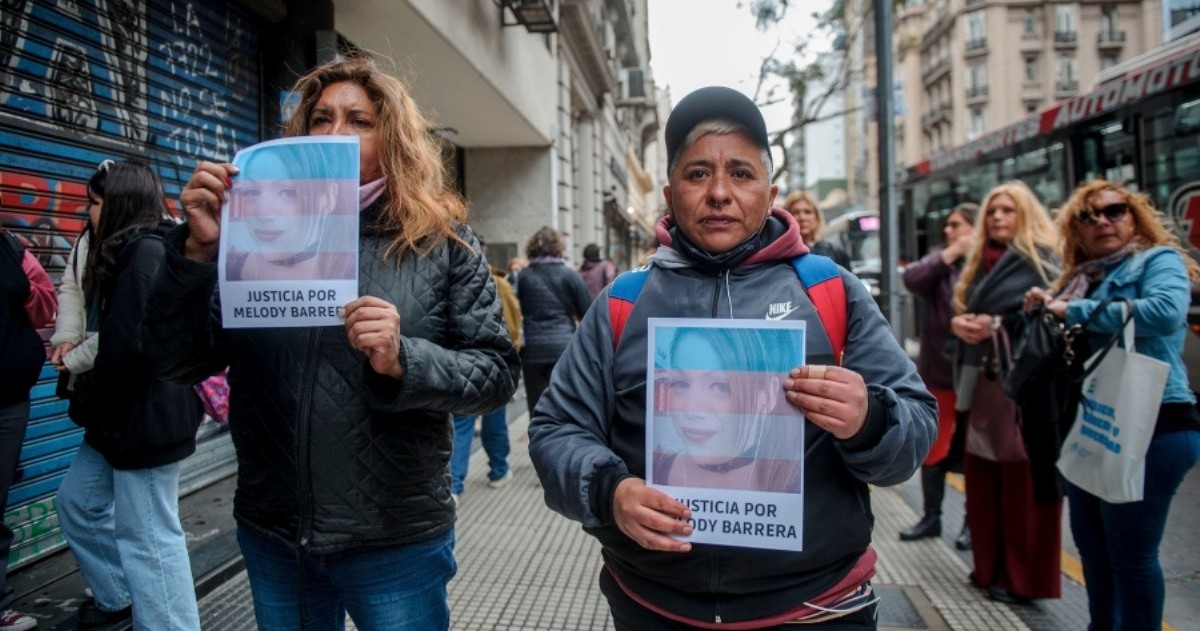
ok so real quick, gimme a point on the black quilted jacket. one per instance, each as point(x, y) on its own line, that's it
point(332, 455)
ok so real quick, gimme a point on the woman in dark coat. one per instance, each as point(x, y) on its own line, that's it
point(553, 299)
point(119, 502)
point(343, 434)
point(932, 280)
point(803, 206)
point(1015, 539)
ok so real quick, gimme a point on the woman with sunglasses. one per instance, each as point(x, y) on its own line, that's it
point(1115, 245)
point(1015, 534)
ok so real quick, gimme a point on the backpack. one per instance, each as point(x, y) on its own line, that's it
point(819, 275)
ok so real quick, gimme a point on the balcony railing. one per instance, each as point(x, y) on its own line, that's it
point(1066, 87)
point(1063, 39)
point(977, 92)
point(977, 46)
point(938, 69)
point(1110, 39)
point(936, 114)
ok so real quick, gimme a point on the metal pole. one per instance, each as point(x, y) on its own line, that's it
point(889, 222)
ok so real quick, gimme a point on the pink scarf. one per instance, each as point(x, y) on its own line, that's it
point(1090, 273)
point(369, 192)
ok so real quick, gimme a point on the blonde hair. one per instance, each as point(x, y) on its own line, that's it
point(1148, 227)
point(805, 196)
point(421, 208)
point(1034, 234)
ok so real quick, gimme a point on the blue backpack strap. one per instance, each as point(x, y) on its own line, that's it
point(822, 281)
point(623, 292)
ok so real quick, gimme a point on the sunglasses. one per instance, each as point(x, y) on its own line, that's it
point(1112, 212)
point(104, 166)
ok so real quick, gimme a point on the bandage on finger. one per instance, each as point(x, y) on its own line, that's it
point(816, 372)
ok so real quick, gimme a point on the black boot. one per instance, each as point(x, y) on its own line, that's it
point(933, 488)
point(963, 541)
point(929, 526)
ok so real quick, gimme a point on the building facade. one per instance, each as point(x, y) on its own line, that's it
point(983, 64)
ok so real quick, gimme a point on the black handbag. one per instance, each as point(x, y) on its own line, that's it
point(1046, 351)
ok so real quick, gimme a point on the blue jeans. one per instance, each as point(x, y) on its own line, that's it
point(388, 588)
point(493, 435)
point(123, 527)
point(1118, 543)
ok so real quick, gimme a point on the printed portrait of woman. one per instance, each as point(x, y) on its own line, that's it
point(291, 219)
point(721, 420)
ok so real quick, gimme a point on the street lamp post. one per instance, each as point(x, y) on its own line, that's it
point(889, 231)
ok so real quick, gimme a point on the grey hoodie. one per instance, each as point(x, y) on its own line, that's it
point(587, 434)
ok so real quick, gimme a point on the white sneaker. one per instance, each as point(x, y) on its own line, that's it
point(16, 621)
point(502, 481)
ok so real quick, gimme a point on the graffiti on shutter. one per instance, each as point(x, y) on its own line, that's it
point(169, 82)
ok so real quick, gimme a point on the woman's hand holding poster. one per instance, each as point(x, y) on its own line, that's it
point(289, 243)
point(720, 435)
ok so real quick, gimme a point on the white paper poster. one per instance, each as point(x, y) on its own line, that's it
point(289, 233)
point(721, 436)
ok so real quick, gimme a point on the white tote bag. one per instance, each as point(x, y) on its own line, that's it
point(1105, 451)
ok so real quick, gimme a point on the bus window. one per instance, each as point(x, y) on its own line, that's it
point(1107, 150)
point(1172, 149)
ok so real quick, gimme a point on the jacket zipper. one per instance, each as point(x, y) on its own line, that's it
point(303, 444)
point(716, 301)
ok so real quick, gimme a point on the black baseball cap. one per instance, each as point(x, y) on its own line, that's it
point(709, 103)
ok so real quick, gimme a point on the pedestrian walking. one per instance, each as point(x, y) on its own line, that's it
point(553, 299)
point(597, 273)
point(1016, 537)
point(1115, 247)
point(28, 304)
point(725, 254)
point(932, 280)
point(493, 426)
point(343, 434)
point(119, 502)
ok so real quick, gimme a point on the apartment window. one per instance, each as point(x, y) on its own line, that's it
point(1066, 69)
point(1064, 18)
point(1108, 20)
point(1107, 61)
point(1029, 109)
point(1031, 70)
point(977, 123)
point(976, 26)
point(976, 76)
point(1030, 23)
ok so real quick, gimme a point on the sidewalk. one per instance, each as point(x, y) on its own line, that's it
point(523, 567)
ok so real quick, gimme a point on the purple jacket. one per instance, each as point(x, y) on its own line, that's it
point(932, 280)
point(597, 275)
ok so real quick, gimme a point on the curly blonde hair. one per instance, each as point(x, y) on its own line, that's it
point(1149, 228)
point(1034, 234)
point(421, 208)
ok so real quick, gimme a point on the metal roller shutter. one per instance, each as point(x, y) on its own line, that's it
point(170, 83)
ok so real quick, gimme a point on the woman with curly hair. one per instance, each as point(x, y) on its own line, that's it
point(553, 299)
point(1015, 535)
point(343, 434)
point(1115, 245)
